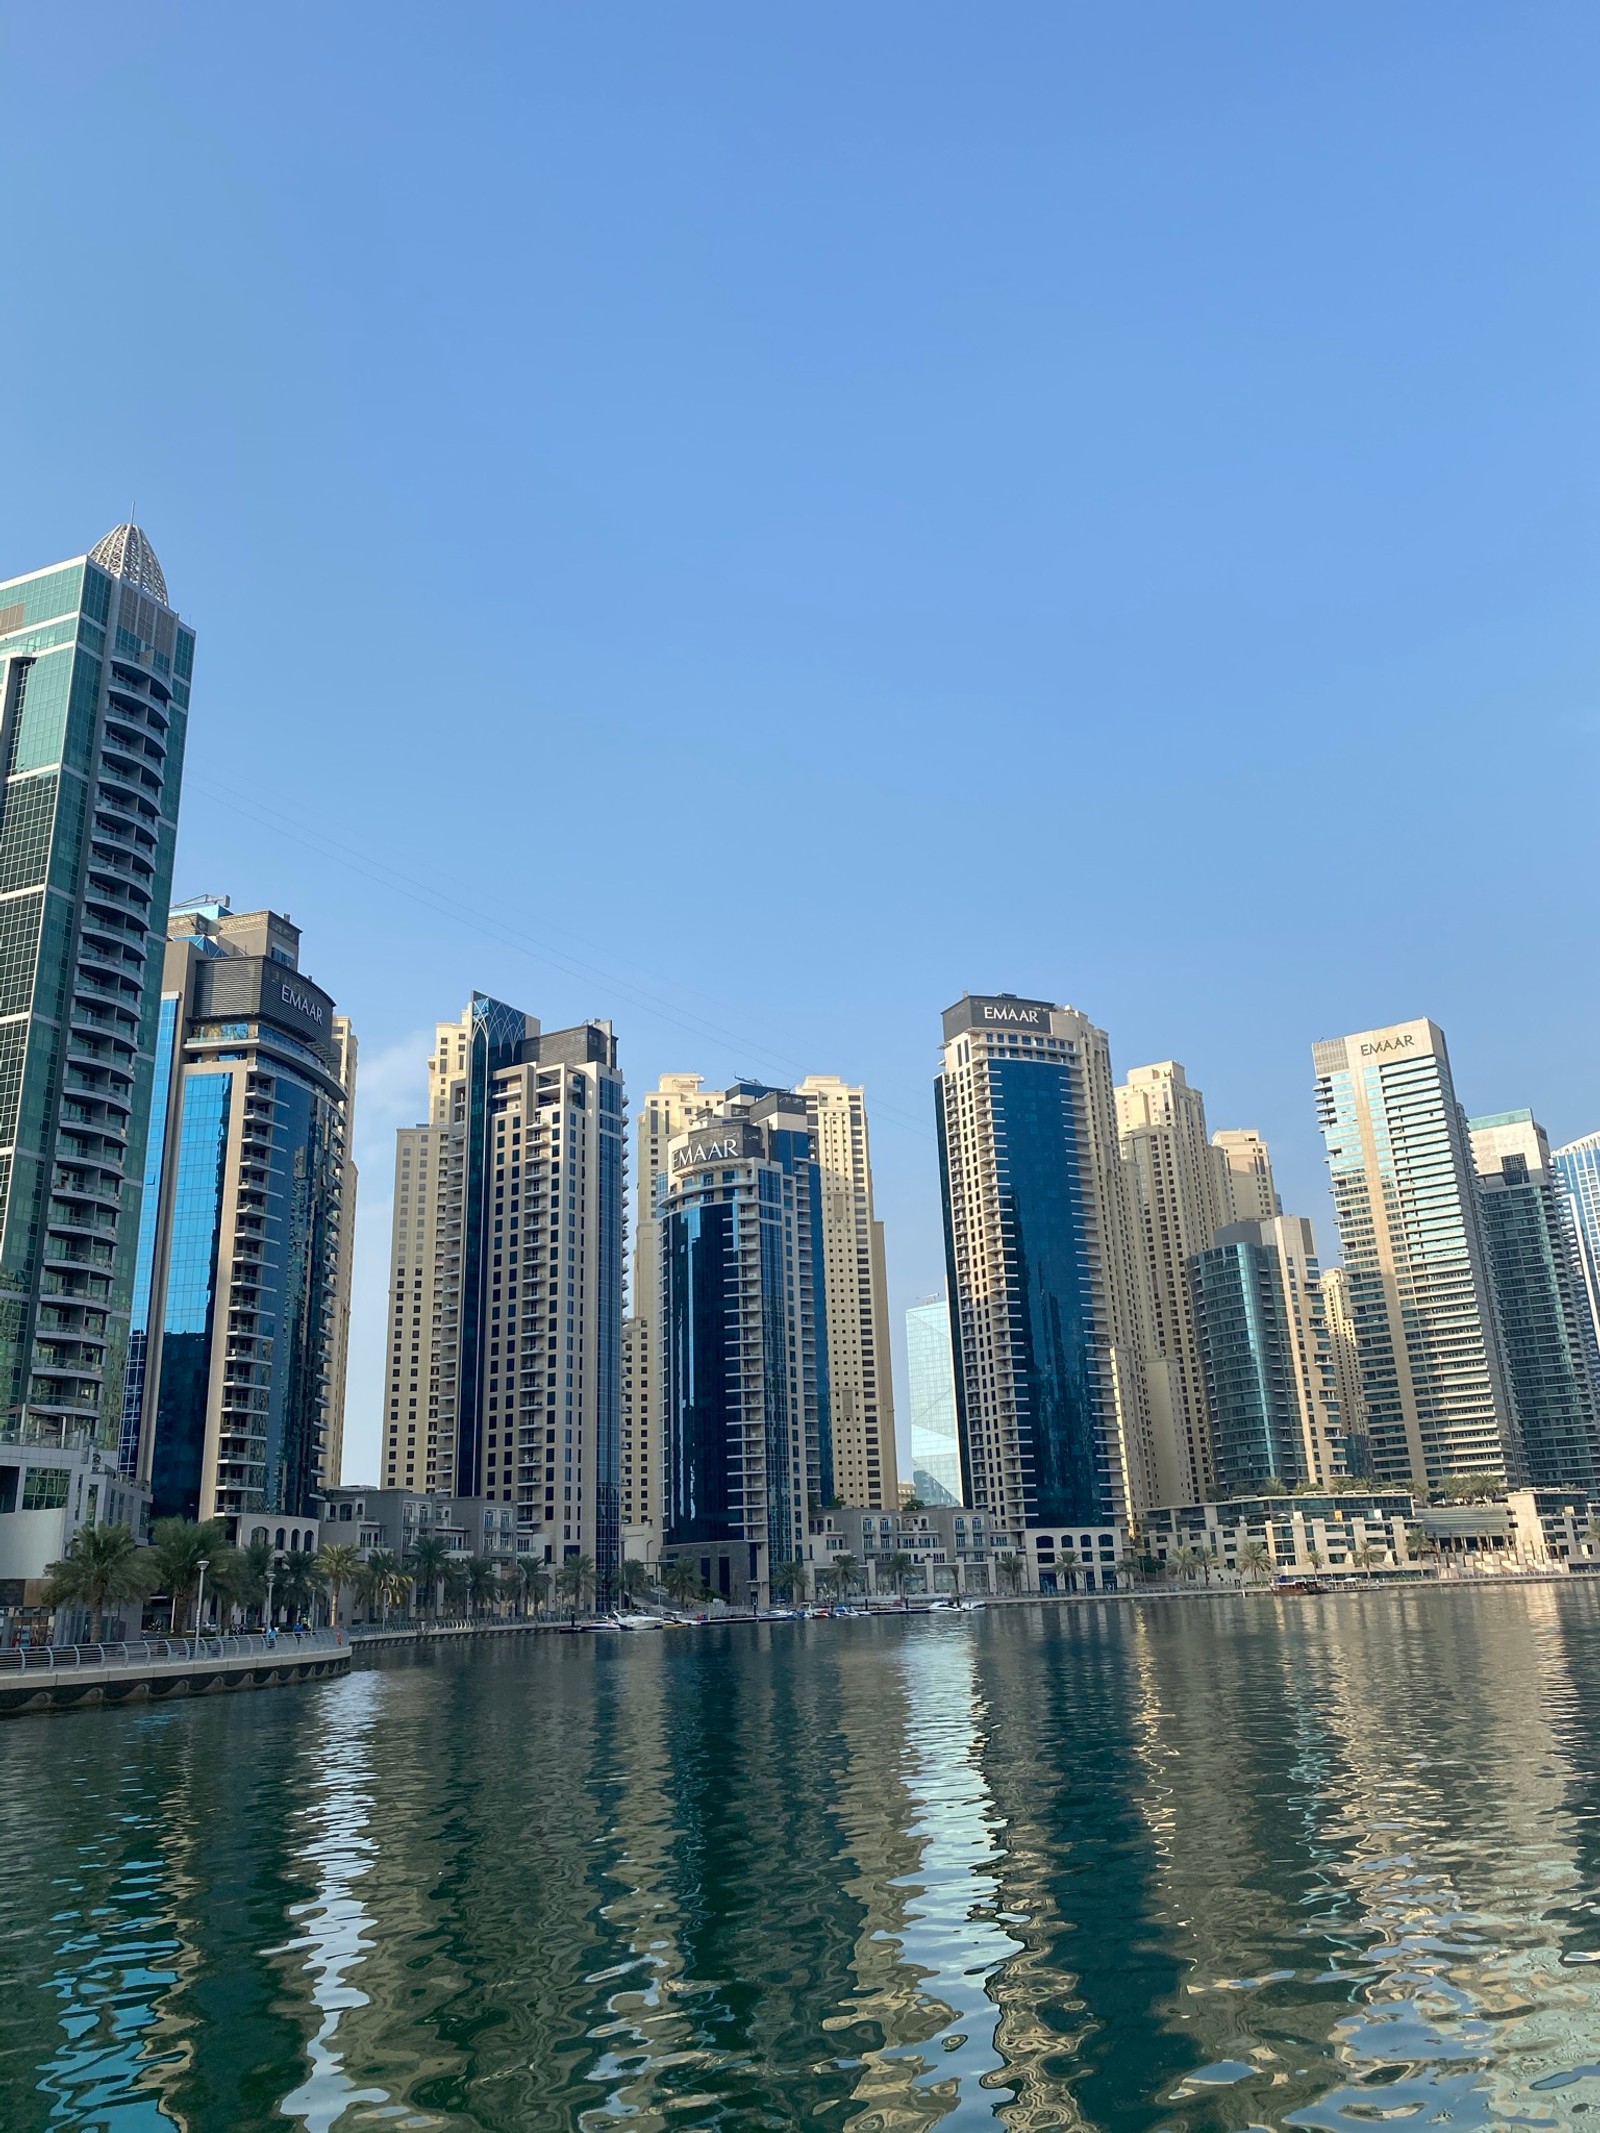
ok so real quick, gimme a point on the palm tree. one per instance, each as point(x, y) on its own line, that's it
point(245, 1578)
point(530, 1581)
point(103, 1564)
point(844, 1575)
point(382, 1580)
point(429, 1563)
point(1067, 1560)
point(633, 1580)
point(298, 1582)
point(339, 1563)
point(897, 1568)
point(1254, 1561)
point(789, 1579)
point(682, 1582)
point(1186, 1561)
point(182, 1551)
point(1366, 1559)
point(1315, 1558)
point(482, 1581)
point(575, 1582)
point(1012, 1568)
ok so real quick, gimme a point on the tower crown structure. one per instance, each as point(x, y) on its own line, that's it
point(126, 553)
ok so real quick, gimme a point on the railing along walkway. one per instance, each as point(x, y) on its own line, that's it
point(143, 1652)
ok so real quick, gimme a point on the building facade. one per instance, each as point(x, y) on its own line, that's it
point(1546, 1332)
point(1346, 1359)
point(1416, 1270)
point(1176, 1182)
point(678, 1102)
point(241, 1287)
point(1042, 1255)
point(1577, 1170)
point(95, 673)
point(931, 1387)
point(744, 1357)
point(505, 1334)
point(1245, 1188)
point(1271, 1391)
point(855, 1298)
point(1350, 1535)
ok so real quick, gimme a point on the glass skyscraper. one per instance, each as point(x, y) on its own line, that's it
point(1416, 1271)
point(931, 1381)
point(1047, 1330)
point(1267, 1362)
point(95, 672)
point(744, 1350)
point(237, 1297)
point(1577, 1171)
point(1546, 1332)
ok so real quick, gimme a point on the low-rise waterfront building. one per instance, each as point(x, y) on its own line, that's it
point(47, 1492)
point(1347, 1534)
point(1526, 1529)
point(958, 1551)
point(396, 1519)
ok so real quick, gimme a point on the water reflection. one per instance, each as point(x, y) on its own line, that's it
point(1200, 1866)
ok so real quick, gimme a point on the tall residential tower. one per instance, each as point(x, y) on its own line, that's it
point(855, 1299)
point(1416, 1272)
point(1176, 1189)
point(95, 669)
point(241, 1292)
point(505, 1335)
point(1042, 1253)
point(744, 1363)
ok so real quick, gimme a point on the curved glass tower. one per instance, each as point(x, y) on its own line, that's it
point(95, 669)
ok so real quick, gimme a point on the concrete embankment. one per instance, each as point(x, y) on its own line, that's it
point(85, 1677)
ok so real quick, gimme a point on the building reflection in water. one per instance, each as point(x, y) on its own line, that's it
point(337, 1849)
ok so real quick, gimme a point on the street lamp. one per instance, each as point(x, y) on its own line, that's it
point(200, 1600)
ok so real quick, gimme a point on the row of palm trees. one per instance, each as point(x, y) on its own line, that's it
point(1255, 1561)
point(189, 1563)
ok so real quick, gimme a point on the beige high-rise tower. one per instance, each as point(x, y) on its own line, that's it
point(505, 1336)
point(1346, 1368)
point(856, 1299)
point(1245, 1190)
point(679, 1102)
point(1176, 1184)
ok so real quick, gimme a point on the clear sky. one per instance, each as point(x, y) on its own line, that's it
point(754, 520)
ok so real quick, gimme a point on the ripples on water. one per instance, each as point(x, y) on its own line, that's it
point(1203, 1866)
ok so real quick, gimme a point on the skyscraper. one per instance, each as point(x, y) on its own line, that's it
point(243, 1255)
point(676, 1103)
point(1245, 1189)
point(1545, 1329)
point(505, 1335)
point(1041, 1247)
point(1177, 1199)
point(1577, 1169)
point(744, 1343)
point(855, 1298)
point(931, 1384)
point(1263, 1337)
point(1346, 1358)
point(95, 669)
point(1417, 1275)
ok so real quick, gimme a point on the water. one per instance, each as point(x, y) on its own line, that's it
point(1199, 1865)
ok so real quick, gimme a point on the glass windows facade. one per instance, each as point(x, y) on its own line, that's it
point(1248, 1356)
point(88, 809)
point(930, 1374)
point(189, 1316)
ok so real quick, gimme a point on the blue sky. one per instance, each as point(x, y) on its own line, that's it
point(757, 520)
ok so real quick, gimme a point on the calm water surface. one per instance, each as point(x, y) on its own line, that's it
point(1327, 1863)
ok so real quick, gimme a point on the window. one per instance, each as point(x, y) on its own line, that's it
point(45, 1489)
